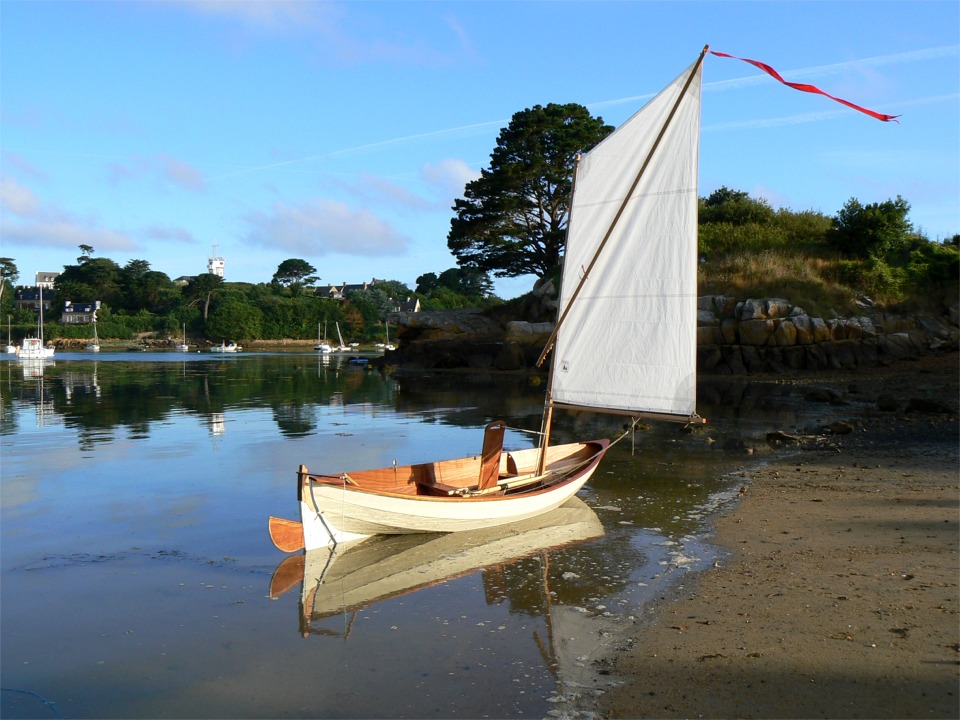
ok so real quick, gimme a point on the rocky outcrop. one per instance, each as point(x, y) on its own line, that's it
point(772, 335)
point(451, 339)
point(768, 335)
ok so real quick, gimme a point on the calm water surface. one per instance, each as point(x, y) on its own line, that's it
point(137, 569)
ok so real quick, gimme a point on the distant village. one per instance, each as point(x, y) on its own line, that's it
point(28, 297)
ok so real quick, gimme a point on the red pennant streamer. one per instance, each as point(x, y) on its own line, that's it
point(808, 88)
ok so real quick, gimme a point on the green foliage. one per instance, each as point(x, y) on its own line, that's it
point(722, 238)
point(200, 291)
point(394, 288)
point(749, 250)
point(732, 222)
point(427, 283)
point(734, 207)
point(8, 276)
point(374, 307)
point(454, 288)
point(93, 279)
point(512, 220)
point(231, 318)
point(875, 230)
point(294, 274)
point(443, 298)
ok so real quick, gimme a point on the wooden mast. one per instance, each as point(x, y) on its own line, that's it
point(551, 341)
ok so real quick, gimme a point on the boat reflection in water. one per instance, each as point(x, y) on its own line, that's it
point(353, 576)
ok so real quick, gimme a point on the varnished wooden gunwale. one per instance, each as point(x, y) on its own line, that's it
point(415, 481)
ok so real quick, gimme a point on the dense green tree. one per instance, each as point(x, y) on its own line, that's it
point(294, 274)
point(394, 288)
point(734, 207)
point(513, 218)
point(374, 306)
point(232, 319)
point(466, 281)
point(201, 289)
point(427, 282)
point(94, 279)
point(874, 230)
point(8, 276)
point(146, 289)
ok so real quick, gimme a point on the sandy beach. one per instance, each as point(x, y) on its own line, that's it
point(836, 594)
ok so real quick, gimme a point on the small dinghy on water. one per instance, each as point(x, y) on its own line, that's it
point(624, 342)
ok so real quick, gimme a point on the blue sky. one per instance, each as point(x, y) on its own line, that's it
point(341, 133)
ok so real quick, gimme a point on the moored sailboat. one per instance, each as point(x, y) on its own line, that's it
point(33, 348)
point(95, 345)
point(386, 345)
point(342, 347)
point(624, 343)
point(11, 348)
point(322, 345)
point(183, 347)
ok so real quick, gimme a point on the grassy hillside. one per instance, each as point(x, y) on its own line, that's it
point(820, 263)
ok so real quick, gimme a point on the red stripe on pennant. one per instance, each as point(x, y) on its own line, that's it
point(808, 88)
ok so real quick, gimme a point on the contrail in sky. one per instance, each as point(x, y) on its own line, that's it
point(719, 85)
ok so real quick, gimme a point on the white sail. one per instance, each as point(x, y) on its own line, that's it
point(628, 342)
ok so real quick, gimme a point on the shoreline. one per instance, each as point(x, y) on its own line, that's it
point(836, 592)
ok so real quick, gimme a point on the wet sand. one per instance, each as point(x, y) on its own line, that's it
point(837, 591)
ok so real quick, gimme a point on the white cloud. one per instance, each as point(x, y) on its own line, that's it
point(323, 227)
point(163, 168)
point(64, 232)
point(28, 222)
point(16, 198)
point(272, 15)
point(180, 173)
point(168, 232)
point(380, 191)
point(449, 176)
point(775, 199)
point(25, 166)
point(343, 33)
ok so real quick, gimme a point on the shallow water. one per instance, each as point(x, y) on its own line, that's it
point(137, 569)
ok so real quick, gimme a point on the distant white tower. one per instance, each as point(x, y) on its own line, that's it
point(216, 264)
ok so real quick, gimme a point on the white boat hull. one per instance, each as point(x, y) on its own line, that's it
point(34, 349)
point(332, 514)
point(357, 575)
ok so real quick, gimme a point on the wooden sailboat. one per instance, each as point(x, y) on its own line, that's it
point(625, 342)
